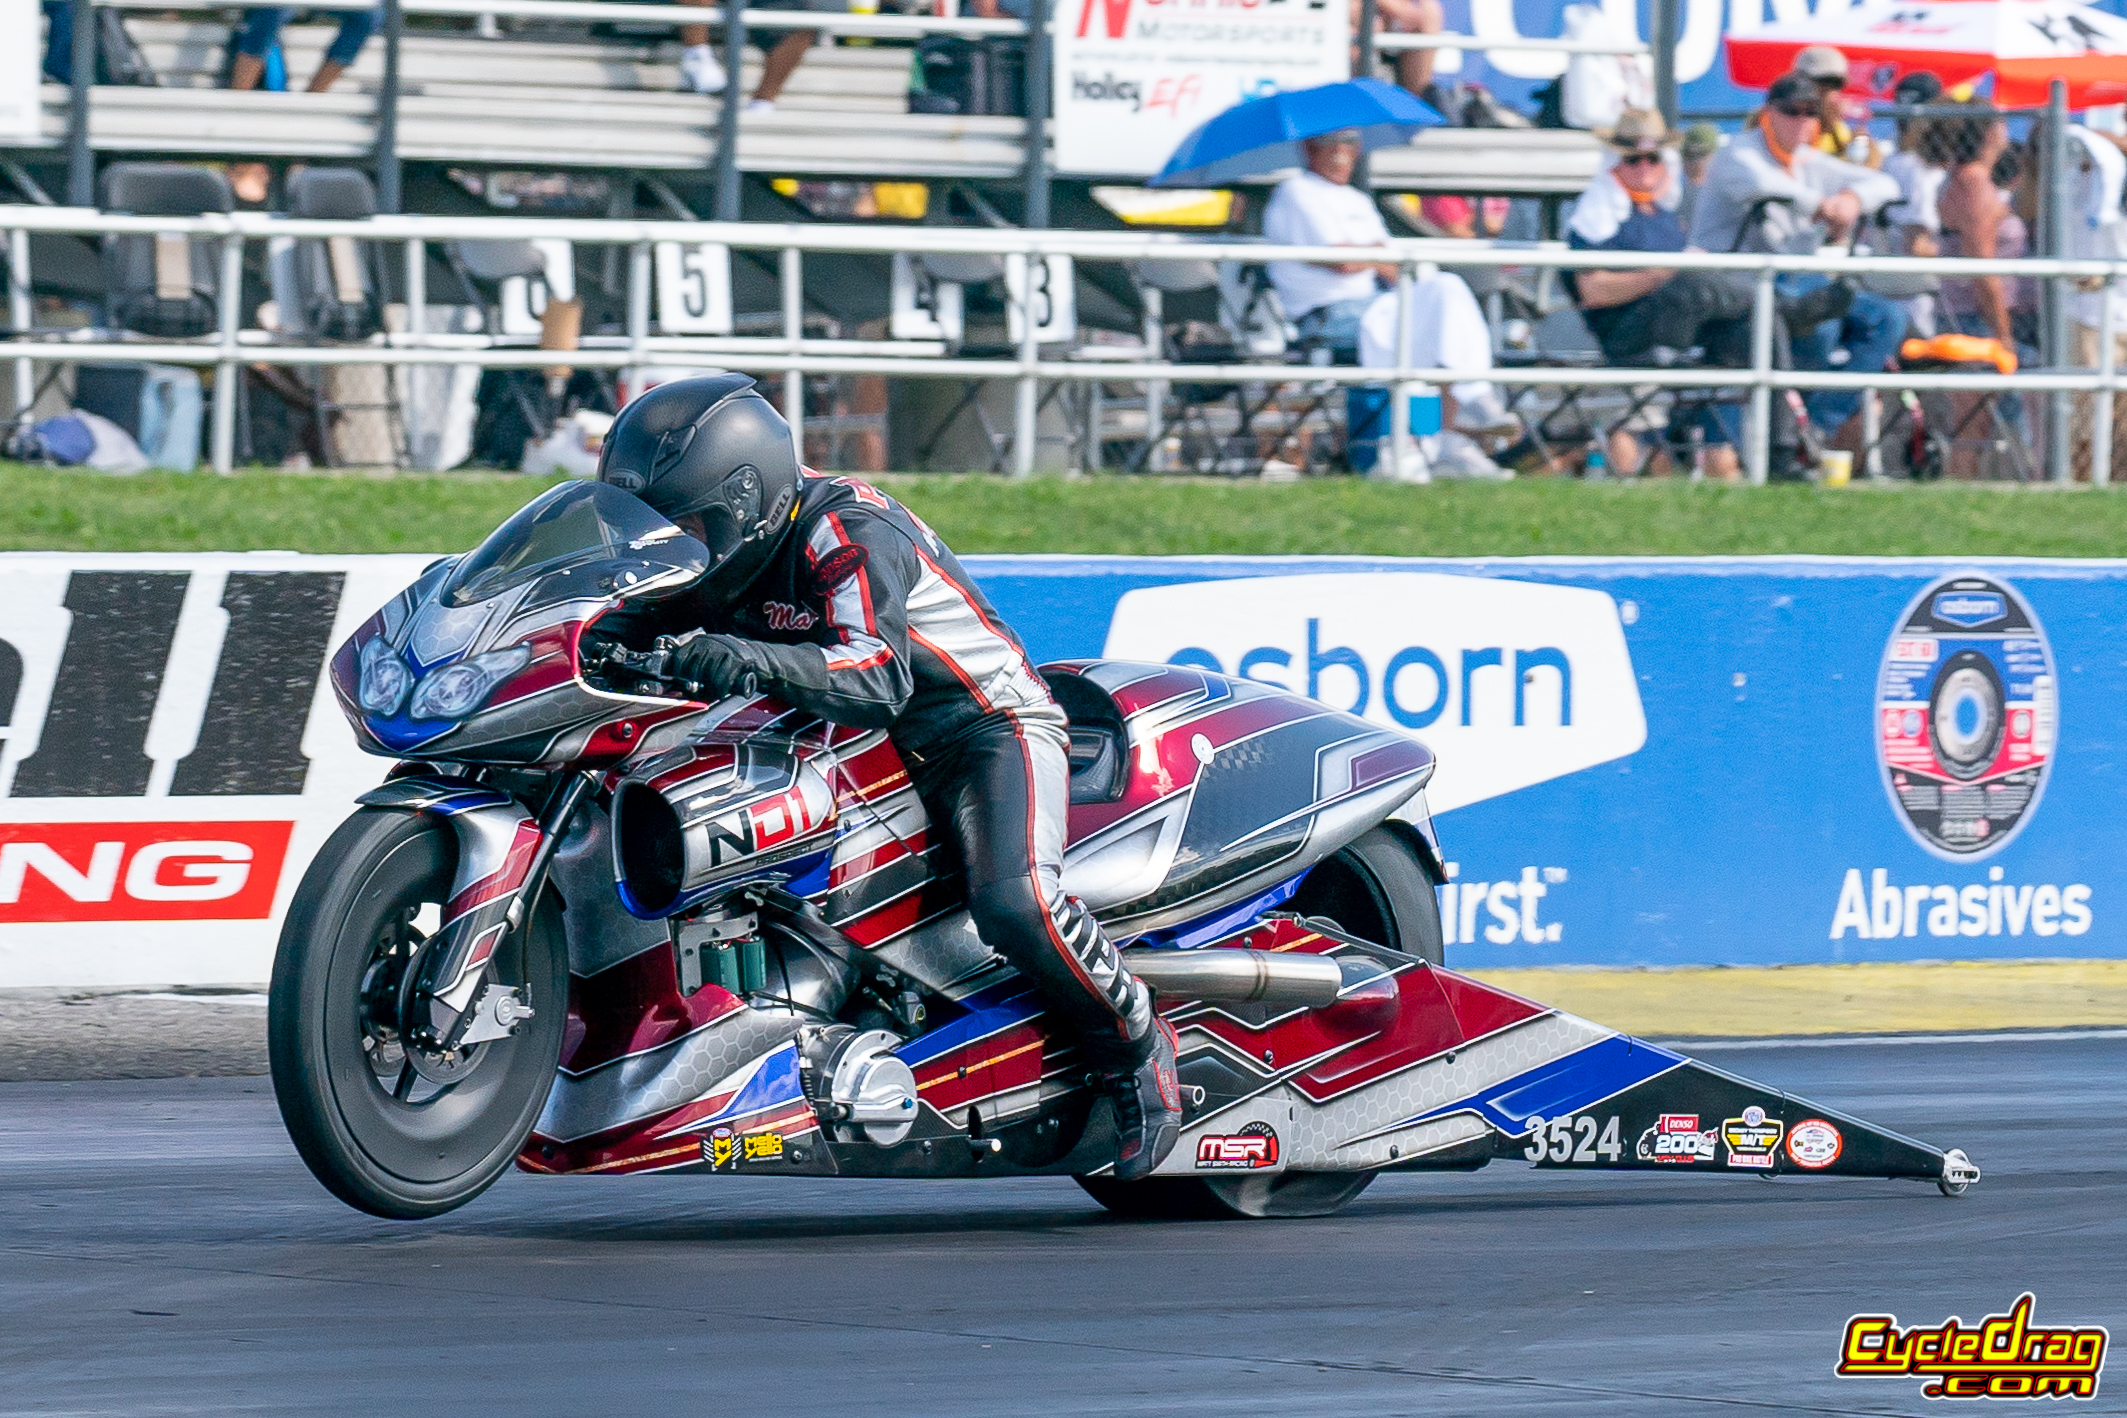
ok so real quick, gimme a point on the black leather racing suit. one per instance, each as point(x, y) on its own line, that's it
point(865, 618)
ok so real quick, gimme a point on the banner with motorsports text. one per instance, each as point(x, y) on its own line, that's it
point(1642, 761)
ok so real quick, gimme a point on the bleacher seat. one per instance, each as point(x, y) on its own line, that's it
point(163, 285)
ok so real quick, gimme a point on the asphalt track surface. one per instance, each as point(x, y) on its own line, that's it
point(162, 1251)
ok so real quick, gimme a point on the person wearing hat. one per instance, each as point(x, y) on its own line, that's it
point(1320, 207)
point(1826, 68)
point(1697, 147)
point(1771, 189)
point(1631, 206)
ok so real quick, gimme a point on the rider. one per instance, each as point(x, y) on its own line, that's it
point(834, 598)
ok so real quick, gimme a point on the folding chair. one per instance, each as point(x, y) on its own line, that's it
point(1923, 432)
point(332, 290)
point(163, 285)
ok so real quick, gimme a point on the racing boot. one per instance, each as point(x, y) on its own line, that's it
point(1148, 1109)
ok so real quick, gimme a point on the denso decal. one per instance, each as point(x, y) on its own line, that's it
point(1511, 683)
point(140, 871)
point(1677, 1138)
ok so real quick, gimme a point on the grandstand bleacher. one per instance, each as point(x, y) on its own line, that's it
point(560, 97)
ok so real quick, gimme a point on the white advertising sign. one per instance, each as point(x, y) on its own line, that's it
point(1511, 683)
point(20, 110)
point(1135, 77)
point(170, 756)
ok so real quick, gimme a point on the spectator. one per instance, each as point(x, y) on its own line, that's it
point(1414, 67)
point(1826, 68)
point(2097, 230)
point(701, 71)
point(1447, 331)
point(1979, 220)
point(1771, 189)
point(1629, 207)
point(1454, 216)
point(1700, 142)
point(1919, 187)
point(1320, 207)
point(262, 26)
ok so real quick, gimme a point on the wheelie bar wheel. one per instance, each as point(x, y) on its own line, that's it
point(391, 1126)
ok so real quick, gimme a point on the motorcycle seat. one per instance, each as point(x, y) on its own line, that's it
point(1097, 738)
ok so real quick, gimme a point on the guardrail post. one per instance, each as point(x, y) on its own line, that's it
point(1399, 395)
point(793, 273)
point(19, 317)
point(387, 157)
point(2107, 372)
point(416, 328)
point(229, 304)
point(1757, 437)
point(1025, 407)
point(80, 158)
point(639, 312)
point(1154, 332)
point(1037, 139)
point(727, 123)
point(2058, 344)
point(1668, 31)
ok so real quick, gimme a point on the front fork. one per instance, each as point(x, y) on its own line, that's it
point(445, 998)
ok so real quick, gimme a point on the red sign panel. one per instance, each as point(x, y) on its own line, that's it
point(140, 871)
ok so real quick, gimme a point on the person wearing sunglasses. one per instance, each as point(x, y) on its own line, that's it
point(1631, 206)
point(1770, 189)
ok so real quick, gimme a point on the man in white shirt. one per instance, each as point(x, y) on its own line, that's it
point(1320, 207)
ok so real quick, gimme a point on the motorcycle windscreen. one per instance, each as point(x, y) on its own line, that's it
point(609, 542)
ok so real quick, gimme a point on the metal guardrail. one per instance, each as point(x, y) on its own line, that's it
point(794, 355)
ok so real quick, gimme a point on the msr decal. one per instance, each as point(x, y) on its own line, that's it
point(2003, 1356)
point(1254, 1147)
point(140, 871)
point(1676, 1138)
point(1752, 1138)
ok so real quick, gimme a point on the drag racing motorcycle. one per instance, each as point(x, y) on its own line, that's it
point(591, 924)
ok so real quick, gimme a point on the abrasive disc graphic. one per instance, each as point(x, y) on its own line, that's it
point(1965, 715)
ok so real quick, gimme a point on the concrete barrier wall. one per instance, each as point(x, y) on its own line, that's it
point(1712, 761)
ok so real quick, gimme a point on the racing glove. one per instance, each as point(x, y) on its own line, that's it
point(720, 664)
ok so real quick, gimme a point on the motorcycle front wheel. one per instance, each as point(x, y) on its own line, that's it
point(390, 1127)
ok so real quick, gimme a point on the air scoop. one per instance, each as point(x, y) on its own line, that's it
point(1238, 976)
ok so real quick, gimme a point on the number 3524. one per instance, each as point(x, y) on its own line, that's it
point(1574, 1138)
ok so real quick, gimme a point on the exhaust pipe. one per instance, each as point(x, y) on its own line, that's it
point(1238, 976)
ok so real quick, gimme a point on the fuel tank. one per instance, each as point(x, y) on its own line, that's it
point(704, 818)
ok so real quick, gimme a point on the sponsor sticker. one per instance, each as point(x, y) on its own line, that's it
point(2003, 1356)
point(1254, 1147)
point(1814, 1143)
point(726, 1151)
point(140, 871)
point(1966, 715)
point(1752, 1138)
point(1676, 1138)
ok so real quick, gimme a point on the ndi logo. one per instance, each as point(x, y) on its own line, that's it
point(1511, 683)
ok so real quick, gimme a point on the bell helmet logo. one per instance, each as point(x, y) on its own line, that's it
point(1511, 683)
point(140, 871)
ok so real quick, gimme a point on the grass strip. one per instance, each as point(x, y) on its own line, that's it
point(70, 511)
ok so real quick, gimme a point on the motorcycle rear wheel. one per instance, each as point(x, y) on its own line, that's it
point(389, 1128)
point(1380, 888)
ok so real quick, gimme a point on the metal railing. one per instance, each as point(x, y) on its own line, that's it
point(795, 355)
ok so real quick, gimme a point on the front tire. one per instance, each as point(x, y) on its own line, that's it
point(389, 1128)
point(1380, 888)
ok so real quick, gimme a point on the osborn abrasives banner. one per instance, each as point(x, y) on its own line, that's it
point(1641, 761)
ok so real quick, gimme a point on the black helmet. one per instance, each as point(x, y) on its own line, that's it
point(712, 447)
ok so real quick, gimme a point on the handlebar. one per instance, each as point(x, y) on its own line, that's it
point(652, 665)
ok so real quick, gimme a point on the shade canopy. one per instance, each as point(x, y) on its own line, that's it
point(2025, 44)
point(1264, 135)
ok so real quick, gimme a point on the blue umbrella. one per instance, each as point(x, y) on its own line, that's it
point(1264, 134)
